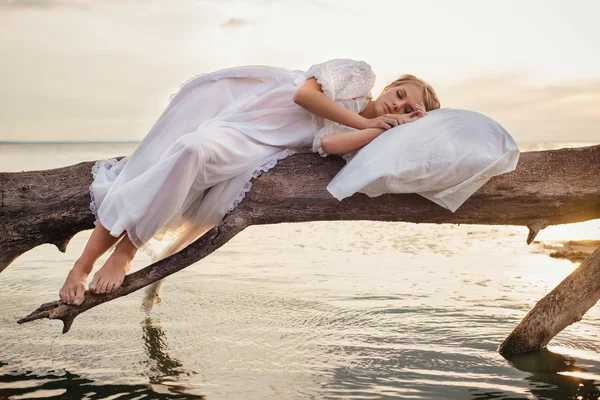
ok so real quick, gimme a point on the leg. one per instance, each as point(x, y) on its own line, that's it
point(152, 296)
point(111, 275)
point(99, 242)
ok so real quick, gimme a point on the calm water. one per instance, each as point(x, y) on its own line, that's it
point(356, 310)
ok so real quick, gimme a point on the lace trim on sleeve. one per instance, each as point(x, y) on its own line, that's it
point(317, 146)
point(323, 77)
point(343, 79)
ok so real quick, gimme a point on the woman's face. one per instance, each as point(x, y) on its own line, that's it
point(399, 99)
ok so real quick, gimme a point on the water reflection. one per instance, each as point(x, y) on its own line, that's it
point(458, 375)
point(551, 375)
point(65, 385)
point(162, 368)
point(163, 373)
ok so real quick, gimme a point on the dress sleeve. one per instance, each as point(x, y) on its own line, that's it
point(343, 79)
point(328, 130)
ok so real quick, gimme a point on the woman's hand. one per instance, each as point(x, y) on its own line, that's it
point(421, 107)
point(388, 121)
point(385, 121)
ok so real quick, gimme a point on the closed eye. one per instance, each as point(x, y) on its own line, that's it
point(406, 110)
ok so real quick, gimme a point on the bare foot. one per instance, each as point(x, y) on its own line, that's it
point(110, 277)
point(73, 290)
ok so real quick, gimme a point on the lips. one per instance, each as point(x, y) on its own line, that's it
point(388, 108)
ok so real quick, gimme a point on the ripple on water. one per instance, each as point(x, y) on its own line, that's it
point(359, 311)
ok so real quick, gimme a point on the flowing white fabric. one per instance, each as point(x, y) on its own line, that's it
point(195, 164)
point(445, 157)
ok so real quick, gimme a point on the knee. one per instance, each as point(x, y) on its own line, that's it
point(184, 148)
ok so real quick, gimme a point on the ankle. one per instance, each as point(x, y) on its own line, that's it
point(128, 252)
point(78, 274)
point(83, 266)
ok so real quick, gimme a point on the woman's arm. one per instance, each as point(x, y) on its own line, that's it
point(311, 97)
point(346, 142)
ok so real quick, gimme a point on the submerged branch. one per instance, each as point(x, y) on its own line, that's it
point(563, 306)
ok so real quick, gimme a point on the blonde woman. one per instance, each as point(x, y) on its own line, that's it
point(218, 132)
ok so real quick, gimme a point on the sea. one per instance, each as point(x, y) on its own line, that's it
point(319, 310)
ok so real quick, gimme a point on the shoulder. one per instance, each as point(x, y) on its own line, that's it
point(343, 70)
point(343, 78)
point(353, 70)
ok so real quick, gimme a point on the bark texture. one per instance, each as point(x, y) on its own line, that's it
point(547, 188)
point(564, 305)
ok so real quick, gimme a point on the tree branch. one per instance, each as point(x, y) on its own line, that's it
point(211, 241)
point(563, 306)
point(547, 188)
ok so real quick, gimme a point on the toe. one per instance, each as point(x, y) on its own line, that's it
point(79, 296)
point(114, 286)
point(94, 285)
point(62, 296)
point(70, 296)
point(103, 286)
point(99, 285)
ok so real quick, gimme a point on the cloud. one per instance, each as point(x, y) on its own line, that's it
point(557, 111)
point(28, 4)
point(16, 5)
point(88, 4)
point(236, 22)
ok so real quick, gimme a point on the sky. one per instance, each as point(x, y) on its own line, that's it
point(103, 70)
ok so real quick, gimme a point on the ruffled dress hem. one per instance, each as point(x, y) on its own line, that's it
point(146, 247)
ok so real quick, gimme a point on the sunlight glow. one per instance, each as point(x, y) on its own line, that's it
point(588, 230)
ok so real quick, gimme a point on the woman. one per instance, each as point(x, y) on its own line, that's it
point(218, 132)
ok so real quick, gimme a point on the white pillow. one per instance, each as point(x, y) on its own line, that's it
point(445, 157)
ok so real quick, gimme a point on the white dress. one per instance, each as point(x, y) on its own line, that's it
point(218, 132)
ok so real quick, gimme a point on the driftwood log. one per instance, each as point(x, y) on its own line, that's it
point(547, 188)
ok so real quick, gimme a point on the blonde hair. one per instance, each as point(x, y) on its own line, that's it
point(430, 98)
